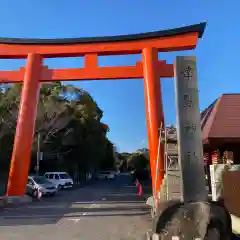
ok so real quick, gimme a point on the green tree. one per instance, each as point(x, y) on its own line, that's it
point(69, 121)
point(137, 161)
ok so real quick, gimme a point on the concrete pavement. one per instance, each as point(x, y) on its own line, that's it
point(105, 210)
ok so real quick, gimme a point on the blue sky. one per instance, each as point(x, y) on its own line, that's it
point(123, 101)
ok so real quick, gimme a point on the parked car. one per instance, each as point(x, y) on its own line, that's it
point(106, 175)
point(60, 179)
point(40, 183)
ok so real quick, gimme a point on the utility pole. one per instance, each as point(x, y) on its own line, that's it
point(38, 152)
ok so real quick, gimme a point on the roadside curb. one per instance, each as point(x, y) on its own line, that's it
point(10, 202)
point(14, 201)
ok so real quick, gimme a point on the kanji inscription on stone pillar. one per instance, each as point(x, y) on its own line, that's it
point(189, 130)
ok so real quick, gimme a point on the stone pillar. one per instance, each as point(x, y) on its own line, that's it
point(189, 130)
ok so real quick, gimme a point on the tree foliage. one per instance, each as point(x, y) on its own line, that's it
point(73, 138)
point(137, 162)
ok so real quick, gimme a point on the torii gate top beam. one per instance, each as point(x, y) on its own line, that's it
point(184, 38)
point(151, 69)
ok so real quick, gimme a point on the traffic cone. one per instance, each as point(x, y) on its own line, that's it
point(39, 195)
point(140, 190)
point(137, 183)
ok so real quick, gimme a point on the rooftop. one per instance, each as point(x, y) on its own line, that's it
point(221, 119)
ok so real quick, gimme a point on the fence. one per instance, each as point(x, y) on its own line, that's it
point(231, 192)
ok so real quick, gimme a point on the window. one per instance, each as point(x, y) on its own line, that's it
point(51, 176)
point(46, 176)
point(56, 176)
point(40, 180)
point(64, 176)
point(104, 172)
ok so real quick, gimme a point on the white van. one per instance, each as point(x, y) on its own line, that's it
point(106, 175)
point(60, 179)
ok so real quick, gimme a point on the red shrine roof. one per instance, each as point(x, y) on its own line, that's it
point(222, 119)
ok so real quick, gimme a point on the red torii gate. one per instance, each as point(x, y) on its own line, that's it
point(151, 69)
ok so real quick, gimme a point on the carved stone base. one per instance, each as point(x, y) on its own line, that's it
point(196, 220)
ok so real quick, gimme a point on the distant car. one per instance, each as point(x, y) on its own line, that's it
point(40, 183)
point(106, 175)
point(60, 179)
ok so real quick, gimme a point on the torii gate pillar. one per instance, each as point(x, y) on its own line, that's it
point(22, 147)
point(154, 113)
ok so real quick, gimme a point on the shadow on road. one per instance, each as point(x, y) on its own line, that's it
point(101, 199)
point(36, 220)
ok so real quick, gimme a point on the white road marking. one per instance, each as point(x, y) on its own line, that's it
point(48, 206)
point(73, 205)
point(39, 216)
point(76, 220)
point(97, 203)
point(177, 238)
point(124, 194)
point(90, 202)
point(95, 206)
point(6, 209)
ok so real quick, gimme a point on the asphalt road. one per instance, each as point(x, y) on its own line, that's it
point(106, 210)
